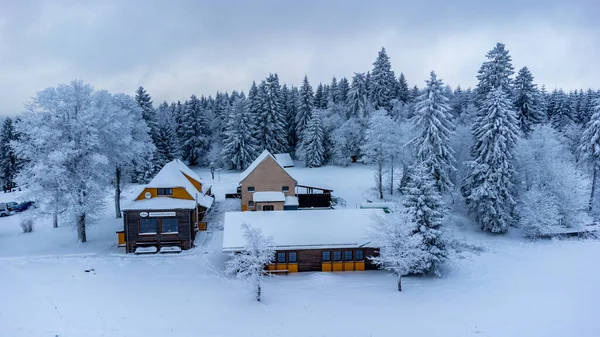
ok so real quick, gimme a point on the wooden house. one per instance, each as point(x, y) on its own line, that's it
point(168, 211)
point(267, 186)
point(309, 240)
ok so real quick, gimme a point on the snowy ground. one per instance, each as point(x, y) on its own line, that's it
point(512, 288)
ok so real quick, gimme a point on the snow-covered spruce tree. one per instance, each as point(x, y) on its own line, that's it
point(67, 142)
point(560, 112)
point(195, 126)
point(424, 204)
point(403, 90)
point(527, 101)
point(494, 74)
point(8, 159)
point(291, 97)
point(240, 146)
point(381, 144)
point(488, 189)
point(346, 142)
point(333, 95)
point(434, 127)
point(382, 87)
point(357, 96)
point(249, 265)
point(320, 100)
point(399, 249)
point(312, 141)
point(271, 117)
point(343, 88)
point(590, 148)
point(144, 100)
point(552, 191)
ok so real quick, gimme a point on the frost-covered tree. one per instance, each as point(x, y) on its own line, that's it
point(434, 126)
point(382, 87)
point(488, 188)
point(381, 144)
point(165, 139)
point(424, 204)
point(8, 159)
point(346, 142)
point(144, 100)
point(271, 131)
point(590, 148)
point(399, 249)
point(68, 141)
point(305, 107)
point(494, 74)
point(403, 89)
point(560, 110)
point(240, 146)
point(127, 137)
point(343, 88)
point(195, 127)
point(249, 265)
point(291, 97)
point(333, 94)
point(552, 191)
point(313, 141)
point(357, 96)
point(527, 101)
point(320, 101)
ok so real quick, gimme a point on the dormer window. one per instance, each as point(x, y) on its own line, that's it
point(164, 191)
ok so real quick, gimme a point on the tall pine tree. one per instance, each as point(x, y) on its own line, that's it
point(271, 129)
point(527, 101)
point(240, 146)
point(305, 107)
point(382, 86)
point(8, 159)
point(195, 125)
point(494, 74)
point(433, 122)
point(403, 90)
point(488, 188)
point(313, 141)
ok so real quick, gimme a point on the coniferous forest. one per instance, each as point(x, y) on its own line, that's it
point(508, 152)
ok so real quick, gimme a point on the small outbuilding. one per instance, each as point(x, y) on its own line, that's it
point(309, 240)
point(168, 211)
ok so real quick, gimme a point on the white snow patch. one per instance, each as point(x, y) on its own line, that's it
point(268, 196)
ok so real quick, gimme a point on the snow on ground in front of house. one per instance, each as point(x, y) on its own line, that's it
point(508, 287)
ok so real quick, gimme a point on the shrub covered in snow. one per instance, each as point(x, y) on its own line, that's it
point(26, 225)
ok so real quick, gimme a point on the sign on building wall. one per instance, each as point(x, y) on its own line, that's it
point(162, 214)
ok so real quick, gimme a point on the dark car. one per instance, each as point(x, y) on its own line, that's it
point(23, 206)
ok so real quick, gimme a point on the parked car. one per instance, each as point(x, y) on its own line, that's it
point(11, 205)
point(4, 211)
point(23, 206)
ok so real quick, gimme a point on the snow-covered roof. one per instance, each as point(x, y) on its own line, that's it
point(291, 201)
point(268, 196)
point(160, 203)
point(171, 176)
point(284, 159)
point(310, 229)
point(264, 155)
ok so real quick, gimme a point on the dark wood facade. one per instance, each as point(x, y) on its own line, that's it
point(184, 238)
point(312, 259)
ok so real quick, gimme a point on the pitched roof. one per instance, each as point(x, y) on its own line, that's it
point(264, 155)
point(172, 175)
point(310, 229)
point(284, 159)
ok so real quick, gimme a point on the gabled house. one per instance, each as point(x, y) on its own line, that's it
point(168, 211)
point(267, 186)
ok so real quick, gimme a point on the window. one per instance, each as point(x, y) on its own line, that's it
point(164, 191)
point(268, 208)
point(250, 188)
point(148, 226)
point(285, 188)
point(169, 225)
point(250, 203)
point(347, 255)
point(292, 258)
point(326, 256)
point(281, 257)
point(358, 255)
point(337, 256)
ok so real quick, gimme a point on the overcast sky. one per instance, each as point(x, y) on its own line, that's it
point(176, 48)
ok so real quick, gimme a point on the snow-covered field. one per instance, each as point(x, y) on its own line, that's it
point(512, 288)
